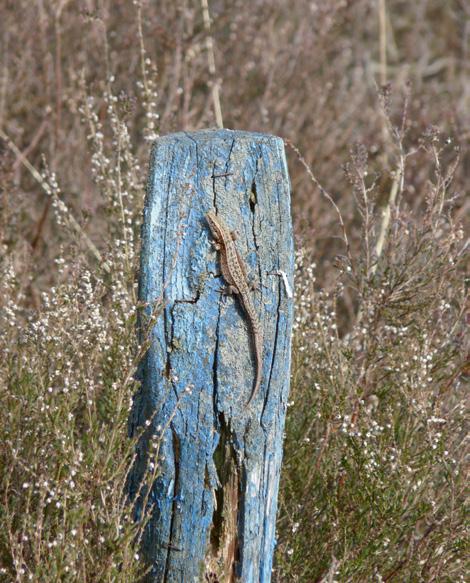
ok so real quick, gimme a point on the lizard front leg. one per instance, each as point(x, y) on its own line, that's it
point(229, 290)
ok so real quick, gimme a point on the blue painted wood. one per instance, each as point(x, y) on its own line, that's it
point(213, 502)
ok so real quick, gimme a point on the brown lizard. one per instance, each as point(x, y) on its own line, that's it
point(234, 272)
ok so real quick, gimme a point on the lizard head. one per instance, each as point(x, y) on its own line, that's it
point(214, 225)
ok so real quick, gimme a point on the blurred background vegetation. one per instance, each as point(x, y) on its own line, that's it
point(373, 97)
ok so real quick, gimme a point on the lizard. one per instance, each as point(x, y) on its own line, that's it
point(234, 272)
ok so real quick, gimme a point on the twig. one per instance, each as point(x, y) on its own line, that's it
point(63, 207)
point(397, 188)
point(4, 80)
point(384, 224)
point(327, 196)
point(383, 41)
point(211, 61)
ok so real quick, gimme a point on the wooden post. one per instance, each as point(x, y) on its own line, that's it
point(213, 501)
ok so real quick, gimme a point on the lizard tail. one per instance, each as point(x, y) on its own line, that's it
point(259, 366)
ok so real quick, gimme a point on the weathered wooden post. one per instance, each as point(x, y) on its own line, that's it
point(213, 501)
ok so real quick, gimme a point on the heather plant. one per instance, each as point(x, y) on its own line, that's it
point(374, 481)
point(66, 385)
point(372, 98)
point(68, 370)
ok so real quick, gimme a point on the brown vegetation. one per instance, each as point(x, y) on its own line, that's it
point(373, 97)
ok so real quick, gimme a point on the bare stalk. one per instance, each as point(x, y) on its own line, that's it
point(4, 80)
point(63, 207)
point(327, 195)
point(385, 223)
point(215, 83)
point(397, 188)
point(383, 41)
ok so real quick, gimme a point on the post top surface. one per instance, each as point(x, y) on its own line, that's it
point(216, 133)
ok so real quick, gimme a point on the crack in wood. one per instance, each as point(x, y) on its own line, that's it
point(223, 552)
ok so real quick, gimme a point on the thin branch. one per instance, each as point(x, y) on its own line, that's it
point(61, 204)
point(315, 181)
point(385, 223)
point(211, 62)
point(383, 41)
